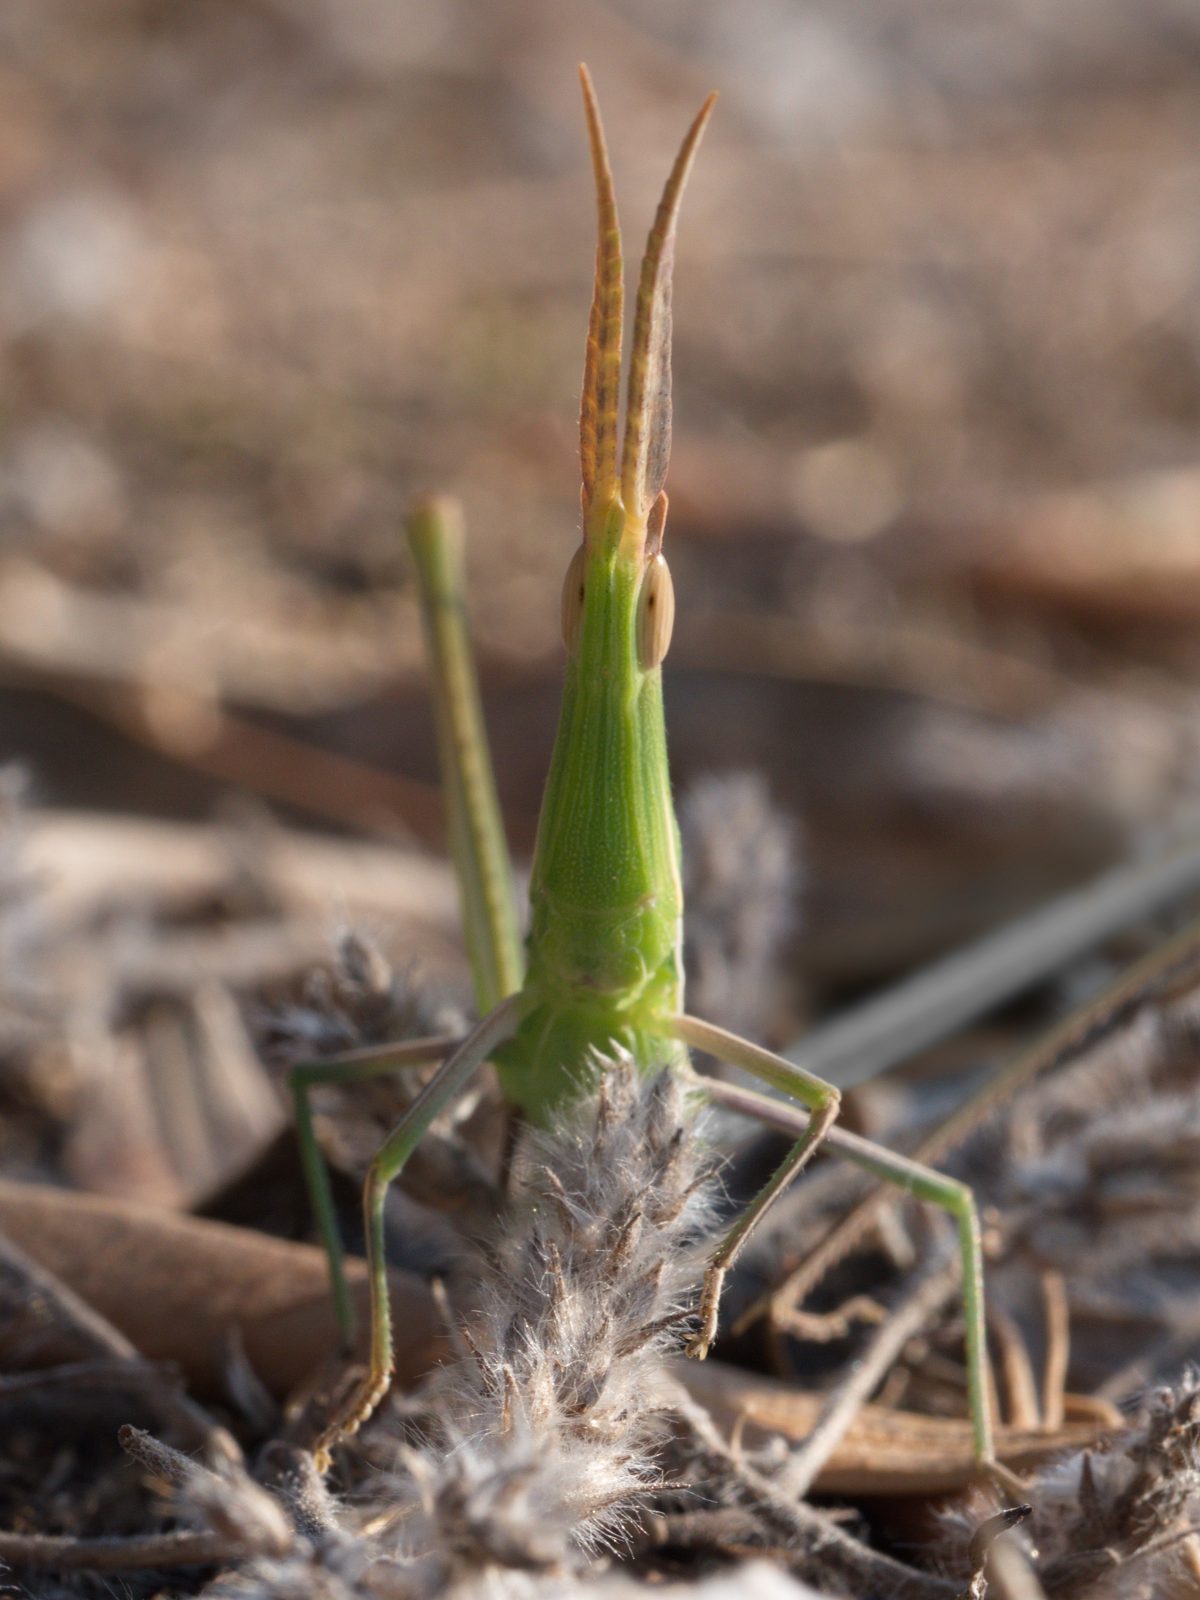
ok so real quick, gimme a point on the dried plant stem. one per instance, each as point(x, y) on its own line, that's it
point(886, 1450)
point(925, 1298)
point(1058, 1347)
point(806, 1530)
point(251, 1521)
point(985, 1548)
point(916, 1013)
point(172, 1466)
point(1010, 1574)
point(47, 1553)
point(1024, 1410)
point(1149, 980)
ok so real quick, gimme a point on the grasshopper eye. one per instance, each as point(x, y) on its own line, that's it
point(656, 614)
point(572, 600)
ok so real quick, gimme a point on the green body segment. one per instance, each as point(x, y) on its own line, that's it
point(606, 903)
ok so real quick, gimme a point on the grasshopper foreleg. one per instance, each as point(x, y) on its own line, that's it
point(822, 1101)
point(348, 1066)
point(449, 1080)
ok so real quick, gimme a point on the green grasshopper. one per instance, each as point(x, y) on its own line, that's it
point(602, 972)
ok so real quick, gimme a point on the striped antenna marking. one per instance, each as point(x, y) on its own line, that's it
point(602, 366)
point(648, 411)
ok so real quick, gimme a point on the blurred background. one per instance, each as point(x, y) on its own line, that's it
point(270, 268)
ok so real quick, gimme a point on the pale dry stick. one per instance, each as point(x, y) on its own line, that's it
point(1023, 1408)
point(985, 1545)
point(887, 1451)
point(801, 1525)
point(248, 1522)
point(1148, 980)
point(932, 1289)
point(171, 1466)
point(230, 1497)
point(230, 1501)
point(1058, 1346)
point(1011, 1574)
point(81, 861)
point(36, 1552)
point(935, 1002)
point(823, 1327)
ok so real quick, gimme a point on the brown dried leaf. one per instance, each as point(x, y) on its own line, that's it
point(177, 1286)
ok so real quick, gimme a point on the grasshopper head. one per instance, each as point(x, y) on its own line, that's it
point(621, 578)
point(618, 603)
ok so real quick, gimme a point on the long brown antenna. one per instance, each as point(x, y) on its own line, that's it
point(647, 447)
point(602, 366)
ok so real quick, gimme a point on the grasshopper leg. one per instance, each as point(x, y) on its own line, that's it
point(923, 1183)
point(822, 1101)
point(449, 1080)
point(476, 831)
point(349, 1066)
point(1170, 965)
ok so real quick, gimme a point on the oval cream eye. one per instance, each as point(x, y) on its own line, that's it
point(656, 614)
point(572, 600)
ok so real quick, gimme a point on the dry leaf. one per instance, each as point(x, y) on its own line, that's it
point(177, 1286)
